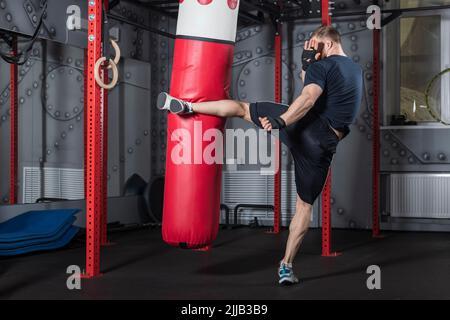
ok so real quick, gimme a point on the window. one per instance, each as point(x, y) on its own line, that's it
point(420, 62)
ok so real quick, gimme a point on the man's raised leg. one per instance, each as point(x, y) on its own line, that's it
point(221, 108)
point(224, 108)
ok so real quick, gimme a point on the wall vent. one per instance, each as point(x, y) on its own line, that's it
point(63, 183)
point(420, 195)
point(254, 188)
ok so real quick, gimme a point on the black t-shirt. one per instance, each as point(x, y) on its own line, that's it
point(342, 84)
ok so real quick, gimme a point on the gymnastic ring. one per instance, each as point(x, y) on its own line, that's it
point(117, 52)
point(99, 80)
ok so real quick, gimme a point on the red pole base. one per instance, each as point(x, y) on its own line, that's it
point(272, 231)
point(204, 249)
point(86, 276)
point(332, 254)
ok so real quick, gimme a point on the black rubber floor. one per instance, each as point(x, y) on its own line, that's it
point(242, 265)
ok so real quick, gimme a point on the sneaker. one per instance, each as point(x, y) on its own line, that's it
point(177, 106)
point(286, 274)
point(163, 101)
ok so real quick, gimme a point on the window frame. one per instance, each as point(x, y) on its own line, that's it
point(391, 59)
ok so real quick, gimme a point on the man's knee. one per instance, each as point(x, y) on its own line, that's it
point(303, 216)
point(303, 206)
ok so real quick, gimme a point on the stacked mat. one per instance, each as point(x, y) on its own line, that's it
point(37, 231)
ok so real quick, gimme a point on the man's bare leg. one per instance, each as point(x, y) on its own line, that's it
point(221, 108)
point(297, 230)
point(224, 108)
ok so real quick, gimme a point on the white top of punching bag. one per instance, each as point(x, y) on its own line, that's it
point(208, 19)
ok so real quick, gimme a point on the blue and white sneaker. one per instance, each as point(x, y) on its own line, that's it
point(286, 274)
point(177, 106)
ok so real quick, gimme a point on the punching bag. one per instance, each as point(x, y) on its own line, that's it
point(203, 56)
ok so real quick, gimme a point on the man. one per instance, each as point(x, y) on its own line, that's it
point(311, 126)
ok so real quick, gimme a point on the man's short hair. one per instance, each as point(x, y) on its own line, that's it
point(327, 32)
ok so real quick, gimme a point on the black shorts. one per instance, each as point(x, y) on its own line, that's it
point(312, 143)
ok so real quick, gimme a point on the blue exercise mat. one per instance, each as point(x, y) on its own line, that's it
point(60, 243)
point(35, 224)
point(36, 241)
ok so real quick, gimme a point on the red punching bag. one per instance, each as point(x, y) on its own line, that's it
point(203, 56)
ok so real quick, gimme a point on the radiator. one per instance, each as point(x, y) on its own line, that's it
point(420, 195)
point(61, 183)
point(253, 188)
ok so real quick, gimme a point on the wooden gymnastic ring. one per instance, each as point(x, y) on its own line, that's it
point(98, 78)
point(117, 52)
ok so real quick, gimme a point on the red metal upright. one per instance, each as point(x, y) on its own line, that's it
point(326, 218)
point(94, 168)
point(14, 127)
point(104, 218)
point(376, 135)
point(326, 17)
point(104, 186)
point(277, 177)
point(326, 193)
point(85, 108)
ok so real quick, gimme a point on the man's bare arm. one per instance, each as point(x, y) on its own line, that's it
point(300, 107)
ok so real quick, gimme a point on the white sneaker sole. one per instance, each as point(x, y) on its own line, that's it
point(176, 106)
point(167, 102)
point(288, 282)
point(163, 101)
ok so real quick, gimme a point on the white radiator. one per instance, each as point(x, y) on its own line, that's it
point(251, 187)
point(61, 183)
point(420, 195)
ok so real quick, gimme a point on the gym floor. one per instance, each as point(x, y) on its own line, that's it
point(241, 265)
